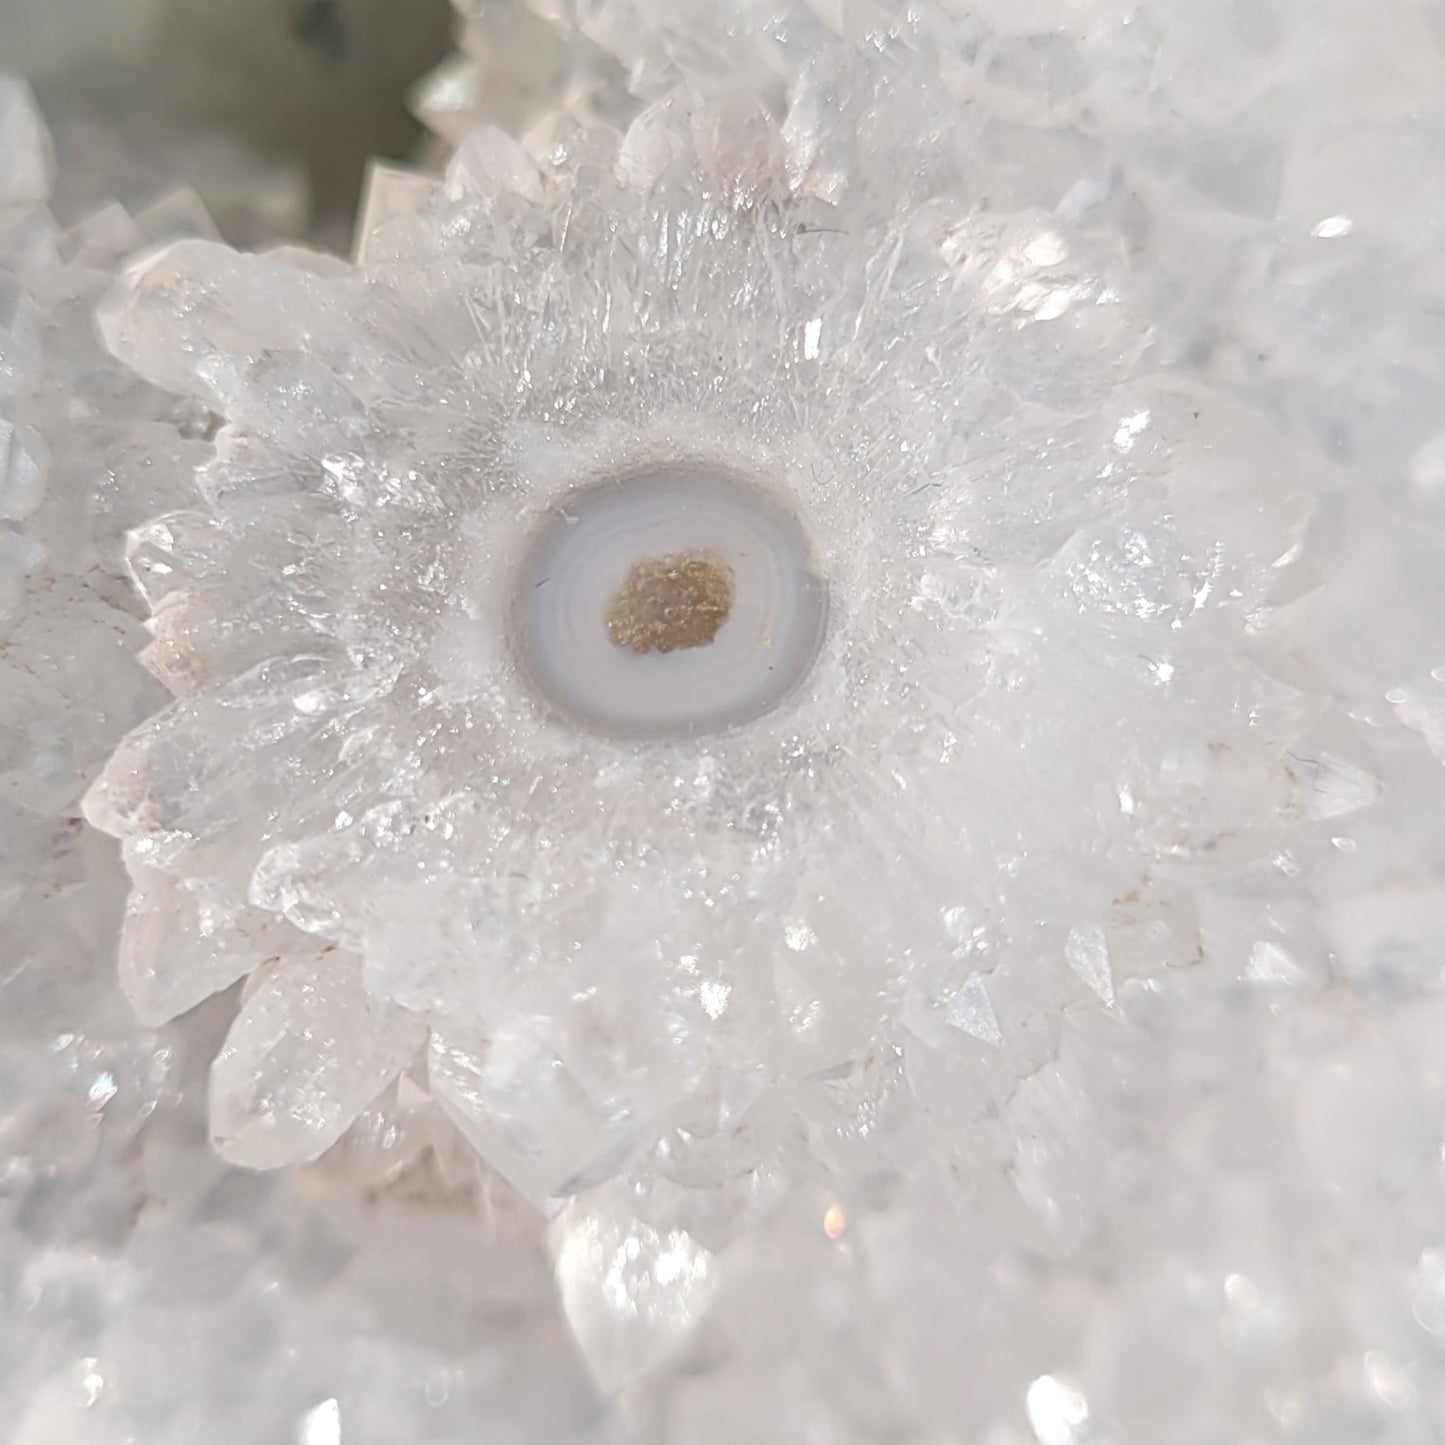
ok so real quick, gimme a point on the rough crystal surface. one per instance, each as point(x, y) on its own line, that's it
point(1028, 1033)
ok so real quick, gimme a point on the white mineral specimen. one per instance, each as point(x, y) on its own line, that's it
point(1029, 540)
point(1026, 1030)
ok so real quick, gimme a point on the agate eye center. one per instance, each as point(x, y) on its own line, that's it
point(668, 601)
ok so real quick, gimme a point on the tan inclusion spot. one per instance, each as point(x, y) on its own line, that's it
point(667, 603)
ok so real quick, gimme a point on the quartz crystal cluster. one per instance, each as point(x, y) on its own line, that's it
point(413, 786)
point(146, 1291)
point(806, 704)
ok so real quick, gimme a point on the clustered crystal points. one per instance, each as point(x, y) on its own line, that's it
point(805, 702)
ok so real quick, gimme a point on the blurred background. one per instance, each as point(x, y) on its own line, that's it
point(222, 94)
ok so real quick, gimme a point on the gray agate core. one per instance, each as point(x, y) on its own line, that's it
point(668, 601)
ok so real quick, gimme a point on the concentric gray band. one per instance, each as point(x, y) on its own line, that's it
point(584, 552)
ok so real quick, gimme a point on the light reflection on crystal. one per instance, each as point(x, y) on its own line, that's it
point(1058, 1414)
point(1429, 1291)
point(1389, 1381)
point(1087, 951)
point(632, 1294)
point(321, 1425)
